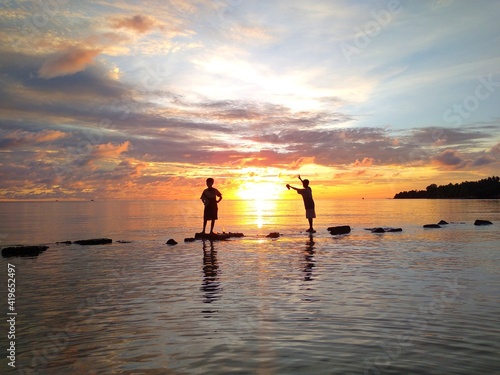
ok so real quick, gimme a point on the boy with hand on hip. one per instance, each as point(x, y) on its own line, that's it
point(306, 193)
point(209, 199)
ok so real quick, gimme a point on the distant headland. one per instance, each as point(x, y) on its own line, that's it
point(488, 188)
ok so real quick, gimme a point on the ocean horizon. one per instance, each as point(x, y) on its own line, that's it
point(418, 301)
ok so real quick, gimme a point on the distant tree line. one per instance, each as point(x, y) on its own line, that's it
point(488, 188)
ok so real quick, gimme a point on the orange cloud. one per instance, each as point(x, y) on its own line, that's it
point(366, 162)
point(302, 161)
point(133, 170)
point(111, 150)
point(20, 137)
point(72, 61)
point(48, 136)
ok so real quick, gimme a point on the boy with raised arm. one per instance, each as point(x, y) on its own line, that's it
point(306, 193)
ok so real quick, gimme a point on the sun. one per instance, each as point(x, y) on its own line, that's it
point(259, 191)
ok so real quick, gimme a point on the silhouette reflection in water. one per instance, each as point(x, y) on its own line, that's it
point(309, 259)
point(210, 285)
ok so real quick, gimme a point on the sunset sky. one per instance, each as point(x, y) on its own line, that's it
point(146, 99)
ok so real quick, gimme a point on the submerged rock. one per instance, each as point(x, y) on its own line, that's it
point(172, 242)
point(432, 226)
point(384, 230)
point(273, 235)
point(217, 236)
point(189, 239)
point(442, 222)
point(23, 251)
point(394, 230)
point(342, 229)
point(94, 241)
point(483, 222)
point(64, 243)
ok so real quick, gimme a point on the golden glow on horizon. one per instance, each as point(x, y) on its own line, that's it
point(259, 191)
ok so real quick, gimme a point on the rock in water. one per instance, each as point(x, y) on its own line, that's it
point(342, 229)
point(442, 222)
point(94, 241)
point(23, 251)
point(273, 235)
point(216, 236)
point(189, 239)
point(483, 222)
point(432, 226)
point(384, 230)
point(172, 242)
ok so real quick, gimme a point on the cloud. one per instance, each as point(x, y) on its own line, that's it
point(495, 150)
point(491, 156)
point(366, 162)
point(483, 160)
point(131, 169)
point(138, 23)
point(110, 150)
point(450, 158)
point(74, 60)
point(18, 137)
point(301, 162)
point(442, 136)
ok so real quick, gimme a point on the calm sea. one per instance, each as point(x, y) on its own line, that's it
point(420, 301)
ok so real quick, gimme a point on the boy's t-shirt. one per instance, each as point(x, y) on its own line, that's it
point(307, 197)
point(211, 194)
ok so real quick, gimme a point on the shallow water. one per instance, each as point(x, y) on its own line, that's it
point(419, 301)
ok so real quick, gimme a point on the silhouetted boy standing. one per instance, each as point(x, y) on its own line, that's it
point(306, 193)
point(209, 199)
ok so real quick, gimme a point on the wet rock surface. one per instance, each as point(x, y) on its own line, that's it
point(431, 226)
point(217, 236)
point(341, 229)
point(482, 222)
point(94, 241)
point(23, 251)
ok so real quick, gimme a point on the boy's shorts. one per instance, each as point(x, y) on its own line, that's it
point(310, 213)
